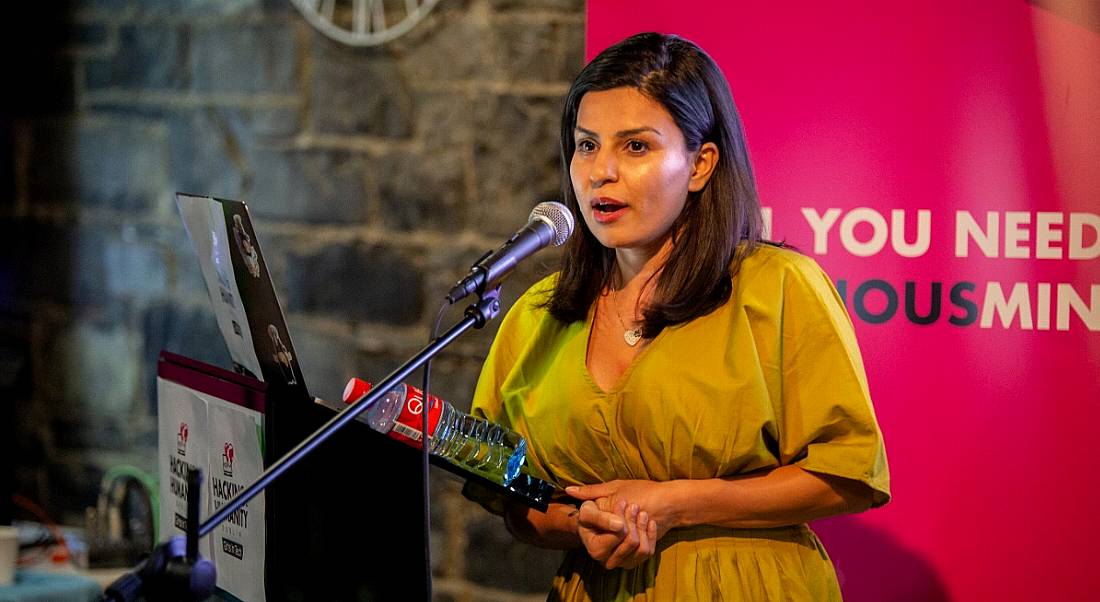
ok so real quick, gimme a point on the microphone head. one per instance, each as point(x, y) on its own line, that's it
point(559, 218)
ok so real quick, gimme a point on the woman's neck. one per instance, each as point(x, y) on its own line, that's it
point(638, 265)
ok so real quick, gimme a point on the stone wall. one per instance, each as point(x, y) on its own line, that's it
point(375, 176)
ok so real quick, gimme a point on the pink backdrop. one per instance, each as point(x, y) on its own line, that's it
point(991, 411)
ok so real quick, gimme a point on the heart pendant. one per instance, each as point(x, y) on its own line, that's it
point(632, 336)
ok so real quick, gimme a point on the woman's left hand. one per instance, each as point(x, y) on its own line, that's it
point(652, 497)
point(616, 537)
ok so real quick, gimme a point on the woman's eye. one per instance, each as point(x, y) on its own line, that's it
point(586, 146)
point(637, 146)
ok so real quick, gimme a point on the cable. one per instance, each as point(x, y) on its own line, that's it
point(28, 505)
point(426, 405)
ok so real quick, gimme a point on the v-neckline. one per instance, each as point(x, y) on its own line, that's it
point(622, 379)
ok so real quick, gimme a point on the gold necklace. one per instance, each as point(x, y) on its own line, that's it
point(630, 335)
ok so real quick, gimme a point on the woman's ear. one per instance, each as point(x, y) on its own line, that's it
point(706, 159)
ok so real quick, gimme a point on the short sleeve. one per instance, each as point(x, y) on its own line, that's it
point(486, 401)
point(827, 422)
point(519, 323)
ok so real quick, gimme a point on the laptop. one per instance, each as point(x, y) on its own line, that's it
point(241, 291)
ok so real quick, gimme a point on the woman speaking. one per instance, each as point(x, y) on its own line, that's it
point(699, 389)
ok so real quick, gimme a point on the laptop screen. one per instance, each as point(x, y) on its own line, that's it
point(241, 292)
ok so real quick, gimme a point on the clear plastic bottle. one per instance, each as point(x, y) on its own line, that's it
point(483, 447)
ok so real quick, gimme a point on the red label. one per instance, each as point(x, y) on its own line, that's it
point(408, 426)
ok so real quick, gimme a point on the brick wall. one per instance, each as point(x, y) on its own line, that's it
point(397, 164)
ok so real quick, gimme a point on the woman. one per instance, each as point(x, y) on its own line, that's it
point(701, 391)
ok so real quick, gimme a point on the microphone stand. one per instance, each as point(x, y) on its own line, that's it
point(174, 571)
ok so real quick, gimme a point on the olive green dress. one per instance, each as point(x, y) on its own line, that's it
point(771, 378)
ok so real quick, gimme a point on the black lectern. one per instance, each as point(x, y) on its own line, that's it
point(357, 497)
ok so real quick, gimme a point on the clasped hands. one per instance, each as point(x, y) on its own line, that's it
point(619, 522)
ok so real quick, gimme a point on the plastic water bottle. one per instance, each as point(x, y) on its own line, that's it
point(483, 447)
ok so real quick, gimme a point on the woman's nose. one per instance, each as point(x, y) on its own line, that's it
point(604, 169)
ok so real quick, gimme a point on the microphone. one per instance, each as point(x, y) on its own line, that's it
point(550, 223)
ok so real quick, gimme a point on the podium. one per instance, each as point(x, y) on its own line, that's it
point(357, 496)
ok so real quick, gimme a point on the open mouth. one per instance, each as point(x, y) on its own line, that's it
point(607, 210)
point(607, 205)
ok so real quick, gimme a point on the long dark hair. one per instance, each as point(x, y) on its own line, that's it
point(719, 225)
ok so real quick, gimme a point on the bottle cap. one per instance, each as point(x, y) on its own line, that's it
point(355, 390)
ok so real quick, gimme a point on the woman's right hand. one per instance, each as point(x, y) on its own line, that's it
point(619, 537)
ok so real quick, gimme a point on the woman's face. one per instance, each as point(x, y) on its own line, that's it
point(632, 170)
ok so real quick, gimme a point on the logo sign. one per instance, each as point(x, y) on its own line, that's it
point(227, 459)
point(415, 404)
point(181, 439)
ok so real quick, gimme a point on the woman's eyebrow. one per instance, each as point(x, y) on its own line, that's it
point(636, 131)
point(578, 129)
point(621, 133)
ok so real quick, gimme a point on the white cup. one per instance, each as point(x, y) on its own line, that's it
point(9, 553)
